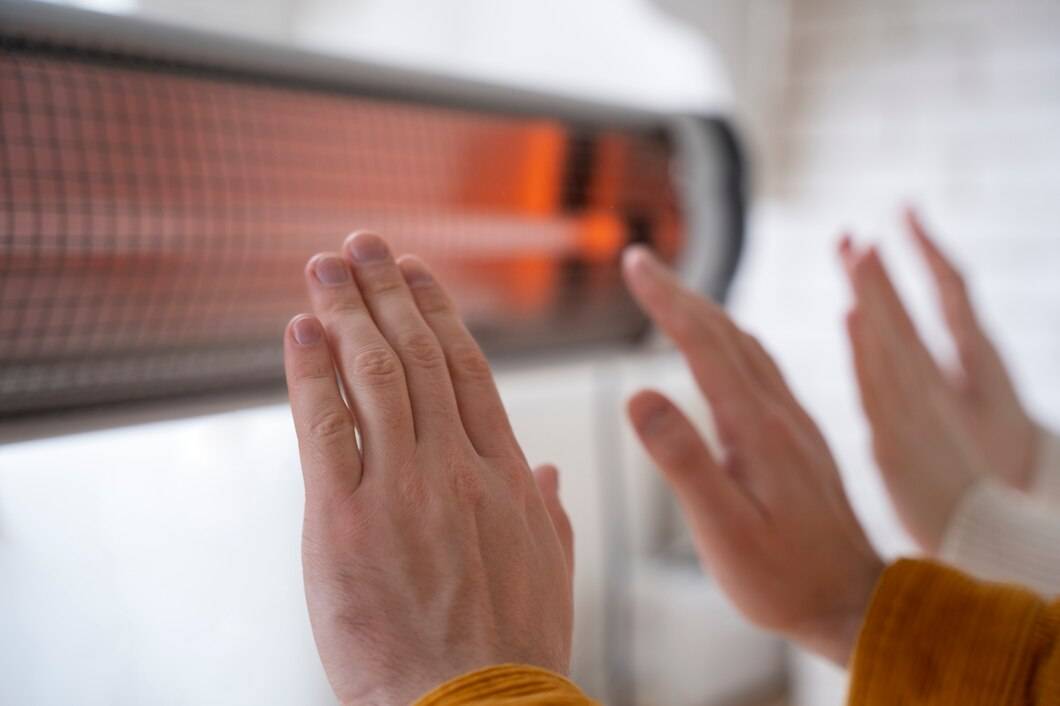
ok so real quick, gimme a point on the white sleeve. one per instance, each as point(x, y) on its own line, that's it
point(1002, 535)
point(1045, 478)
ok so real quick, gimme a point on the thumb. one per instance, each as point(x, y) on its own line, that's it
point(547, 478)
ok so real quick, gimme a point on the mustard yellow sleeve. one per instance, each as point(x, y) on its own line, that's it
point(507, 685)
point(935, 637)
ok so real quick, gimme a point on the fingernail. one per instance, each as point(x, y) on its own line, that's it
point(416, 275)
point(307, 331)
point(331, 270)
point(638, 257)
point(367, 247)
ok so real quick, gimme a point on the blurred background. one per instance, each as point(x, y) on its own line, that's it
point(158, 562)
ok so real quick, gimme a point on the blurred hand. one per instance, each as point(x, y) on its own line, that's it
point(927, 457)
point(428, 549)
point(771, 520)
point(981, 386)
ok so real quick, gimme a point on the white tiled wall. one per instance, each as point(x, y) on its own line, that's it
point(954, 105)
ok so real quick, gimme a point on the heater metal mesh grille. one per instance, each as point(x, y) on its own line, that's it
point(155, 219)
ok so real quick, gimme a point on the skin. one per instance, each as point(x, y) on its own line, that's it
point(984, 392)
point(934, 433)
point(771, 520)
point(429, 547)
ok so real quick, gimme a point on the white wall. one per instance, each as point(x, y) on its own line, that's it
point(953, 104)
point(156, 565)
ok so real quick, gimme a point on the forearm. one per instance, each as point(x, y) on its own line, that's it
point(507, 685)
point(933, 636)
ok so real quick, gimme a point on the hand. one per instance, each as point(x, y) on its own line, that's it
point(428, 549)
point(981, 386)
point(926, 455)
point(770, 518)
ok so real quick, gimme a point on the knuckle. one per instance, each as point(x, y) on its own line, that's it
point(376, 366)
point(312, 367)
point(468, 485)
point(348, 520)
point(518, 479)
point(469, 363)
point(384, 283)
point(776, 423)
point(422, 349)
point(430, 300)
point(344, 303)
point(330, 427)
point(415, 490)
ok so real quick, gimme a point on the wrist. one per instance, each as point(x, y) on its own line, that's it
point(833, 634)
point(506, 682)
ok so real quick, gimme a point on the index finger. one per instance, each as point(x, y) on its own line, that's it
point(940, 266)
point(327, 443)
point(957, 306)
point(873, 287)
point(704, 335)
point(884, 310)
